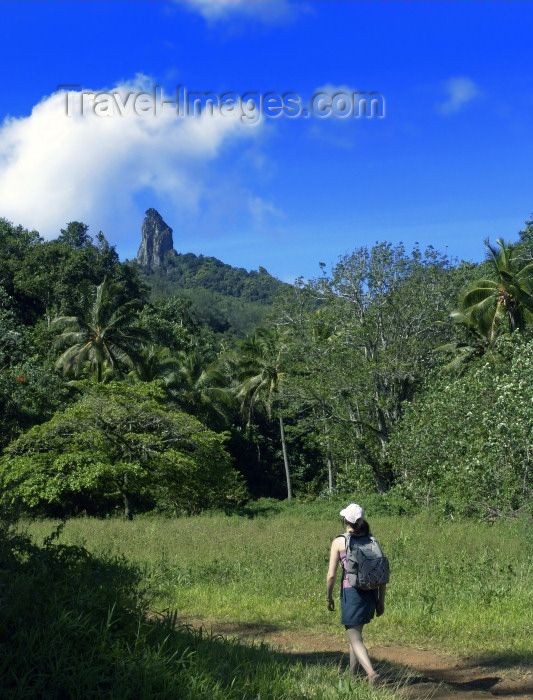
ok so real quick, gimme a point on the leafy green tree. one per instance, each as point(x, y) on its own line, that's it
point(154, 363)
point(60, 274)
point(30, 390)
point(201, 388)
point(465, 445)
point(260, 372)
point(109, 336)
point(15, 244)
point(13, 334)
point(75, 235)
point(478, 340)
point(309, 328)
point(492, 307)
point(119, 445)
point(170, 324)
point(225, 299)
point(525, 242)
point(505, 303)
point(130, 284)
point(360, 340)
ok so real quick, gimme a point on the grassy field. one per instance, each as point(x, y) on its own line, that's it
point(458, 587)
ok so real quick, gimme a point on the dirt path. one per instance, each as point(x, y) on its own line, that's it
point(421, 674)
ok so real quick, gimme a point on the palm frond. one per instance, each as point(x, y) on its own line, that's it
point(483, 289)
point(463, 355)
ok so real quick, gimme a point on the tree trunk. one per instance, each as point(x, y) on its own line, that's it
point(285, 458)
point(128, 515)
point(329, 460)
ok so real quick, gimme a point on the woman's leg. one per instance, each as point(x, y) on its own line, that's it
point(358, 651)
point(354, 663)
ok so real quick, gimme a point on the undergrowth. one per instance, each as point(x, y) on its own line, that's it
point(101, 608)
point(75, 625)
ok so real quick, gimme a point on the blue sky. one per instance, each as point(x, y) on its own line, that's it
point(449, 164)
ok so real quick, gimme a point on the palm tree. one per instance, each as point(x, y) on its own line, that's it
point(201, 388)
point(154, 363)
point(503, 304)
point(260, 374)
point(490, 308)
point(107, 338)
point(480, 340)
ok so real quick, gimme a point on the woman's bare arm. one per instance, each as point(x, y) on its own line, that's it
point(334, 559)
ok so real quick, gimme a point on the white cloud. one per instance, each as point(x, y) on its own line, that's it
point(459, 92)
point(260, 209)
point(337, 132)
point(273, 12)
point(56, 168)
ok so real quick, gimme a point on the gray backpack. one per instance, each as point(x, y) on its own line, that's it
point(366, 566)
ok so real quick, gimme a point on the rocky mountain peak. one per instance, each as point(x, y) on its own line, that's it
point(156, 241)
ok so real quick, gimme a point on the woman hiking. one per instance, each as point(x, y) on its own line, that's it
point(357, 605)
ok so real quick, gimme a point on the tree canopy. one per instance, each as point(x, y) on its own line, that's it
point(119, 446)
point(180, 397)
point(108, 335)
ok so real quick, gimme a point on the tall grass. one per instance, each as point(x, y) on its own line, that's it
point(74, 624)
point(455, 586)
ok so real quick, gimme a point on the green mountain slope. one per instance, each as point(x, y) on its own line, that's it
point(225, 298)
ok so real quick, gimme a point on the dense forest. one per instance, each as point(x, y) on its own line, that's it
point(400, 373)
point(226, 299)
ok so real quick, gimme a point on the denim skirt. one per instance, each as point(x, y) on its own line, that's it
point(357, 606)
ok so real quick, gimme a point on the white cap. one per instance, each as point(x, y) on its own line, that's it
point(352, 513)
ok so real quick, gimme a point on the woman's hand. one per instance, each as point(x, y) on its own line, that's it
point(331, 604)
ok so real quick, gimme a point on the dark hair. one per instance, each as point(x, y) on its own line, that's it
point(360, 527)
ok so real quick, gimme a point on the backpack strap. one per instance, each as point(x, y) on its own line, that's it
point(347, 537)
point(347, 546)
